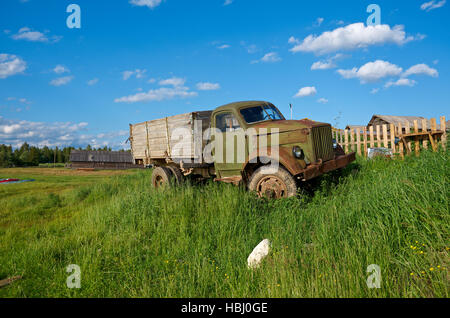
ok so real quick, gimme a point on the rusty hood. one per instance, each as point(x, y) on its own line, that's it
point(288, 125)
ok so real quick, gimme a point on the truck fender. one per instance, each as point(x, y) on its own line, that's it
point(284, 158)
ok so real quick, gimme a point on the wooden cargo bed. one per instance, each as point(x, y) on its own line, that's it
point(166, 138)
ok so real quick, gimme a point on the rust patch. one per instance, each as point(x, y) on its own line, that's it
point(316, 170)
point(234, 180)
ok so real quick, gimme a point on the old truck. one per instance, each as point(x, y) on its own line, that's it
point(294, 150)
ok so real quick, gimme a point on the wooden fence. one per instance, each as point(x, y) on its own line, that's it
point(400, 138)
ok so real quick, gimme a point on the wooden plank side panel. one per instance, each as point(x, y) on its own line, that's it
point(139, 140)
point(152, 137)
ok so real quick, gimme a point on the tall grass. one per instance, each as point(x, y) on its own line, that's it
point(193, 241)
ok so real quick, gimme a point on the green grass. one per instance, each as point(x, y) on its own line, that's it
point(193, 241)
point(51, 165)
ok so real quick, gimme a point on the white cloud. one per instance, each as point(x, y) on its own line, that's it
point(319, 21)
point(146, 3)
point(352, 36)
point(306, 91)
point(223, 46)
point(59, 69)
point(250, 48)
point(21, 100)
point(126, 75)
point(159, 94)
point(428, 6)
point(401, 82)
point(208, 86)
point(138, 73)
point(61, 81)
point(11, 65)
point(325, 65)
point(28, 34)
point(421, 69)
point(374, 90)
point(293, 40)
point(322, 100)
point(174, 81)
point(228, 2)
point(151, 81)
point(271, 57)
point(92, 81)
point(60, 134)
point(372, 71)
point(322, 65)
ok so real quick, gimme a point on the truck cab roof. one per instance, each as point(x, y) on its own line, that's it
point(239, 105)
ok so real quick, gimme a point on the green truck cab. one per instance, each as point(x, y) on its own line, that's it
point(273, 159)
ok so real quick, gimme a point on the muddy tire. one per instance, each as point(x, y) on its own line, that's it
point(274, 185)
point(161, 177)
point(177, 174)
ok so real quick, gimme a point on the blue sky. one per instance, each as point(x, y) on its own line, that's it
point(137, 60)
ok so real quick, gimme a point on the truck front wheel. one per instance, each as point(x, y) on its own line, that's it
point(161, 177)
point(273, 184)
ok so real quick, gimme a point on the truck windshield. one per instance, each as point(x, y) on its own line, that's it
point(261, 113)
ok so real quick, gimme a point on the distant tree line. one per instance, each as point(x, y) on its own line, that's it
point(27, 155)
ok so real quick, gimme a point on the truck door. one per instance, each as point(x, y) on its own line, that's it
point(229, 161)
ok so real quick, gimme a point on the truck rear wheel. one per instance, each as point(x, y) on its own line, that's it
point(274, 185)
point(161, 177)
point(177, 174)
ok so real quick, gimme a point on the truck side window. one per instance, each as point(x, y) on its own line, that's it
point(226, 122)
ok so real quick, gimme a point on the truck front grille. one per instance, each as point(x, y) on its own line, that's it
point(322, 143)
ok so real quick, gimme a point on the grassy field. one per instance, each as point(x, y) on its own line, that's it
point(193, 241)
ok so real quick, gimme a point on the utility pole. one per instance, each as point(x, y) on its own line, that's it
point(290, 105)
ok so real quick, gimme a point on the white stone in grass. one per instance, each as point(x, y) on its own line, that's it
point(258, 253)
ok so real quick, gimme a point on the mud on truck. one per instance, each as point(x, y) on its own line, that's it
point(248, 143)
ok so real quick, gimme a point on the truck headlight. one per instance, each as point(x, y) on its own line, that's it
point(334, 144)
point(298, 152)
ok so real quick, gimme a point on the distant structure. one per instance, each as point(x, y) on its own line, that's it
point(403, 120)
point(85, 159)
